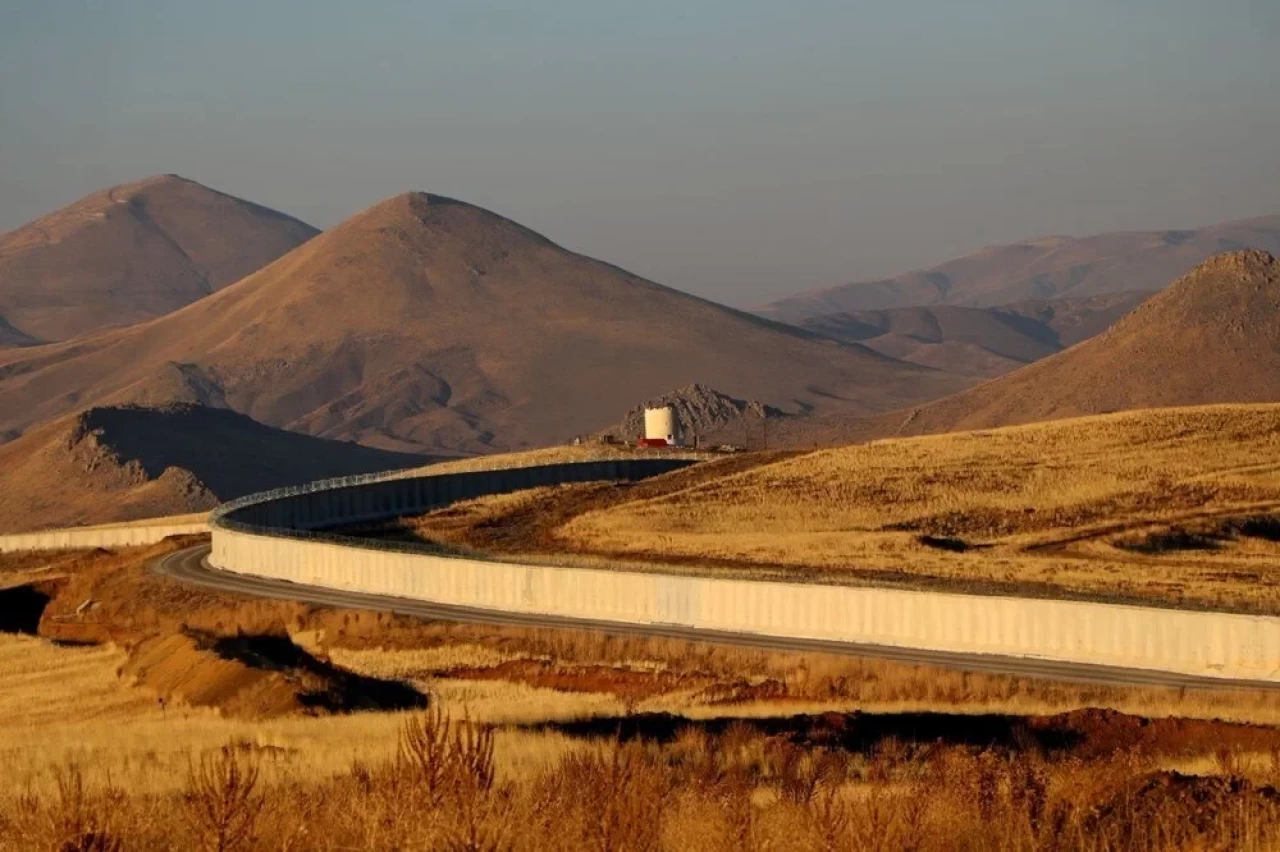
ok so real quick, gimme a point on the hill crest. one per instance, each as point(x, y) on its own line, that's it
point(1213, 336)
point(1047, 268)
point(120, 463)
point(426, 323)
point(132, 252)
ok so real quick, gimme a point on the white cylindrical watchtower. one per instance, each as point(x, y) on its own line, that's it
point(660, 424)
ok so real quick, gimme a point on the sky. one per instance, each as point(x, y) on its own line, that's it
point(737, 149)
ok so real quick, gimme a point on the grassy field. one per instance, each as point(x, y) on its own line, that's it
point(593, 741)
point(182, 718)
point(94, 764)
point(1172, 506)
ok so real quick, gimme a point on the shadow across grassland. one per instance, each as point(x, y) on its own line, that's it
point(1080, 734)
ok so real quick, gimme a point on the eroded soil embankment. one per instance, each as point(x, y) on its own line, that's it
point(257, 677)
point(21, 607)
point(234, 656)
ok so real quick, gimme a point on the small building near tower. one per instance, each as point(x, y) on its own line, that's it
point(661, 427)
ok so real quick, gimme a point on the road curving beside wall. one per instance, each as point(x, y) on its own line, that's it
point(284, 535)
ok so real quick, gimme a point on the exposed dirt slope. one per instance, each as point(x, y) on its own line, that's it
point(1214, 336)
point(256, 677)
point(133, 252)
point(122, 463)
point(1048, 268)
point(984, 342)
point(428, 323)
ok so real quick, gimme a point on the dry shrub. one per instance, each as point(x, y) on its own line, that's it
point(224, 799)
point(81, 821)
point(448, 767)
point(803, 773)
point(738, 790)
point(613, 799)
point(447, 759)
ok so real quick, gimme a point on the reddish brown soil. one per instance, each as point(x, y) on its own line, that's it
point(1173, 799)
point(622, 682)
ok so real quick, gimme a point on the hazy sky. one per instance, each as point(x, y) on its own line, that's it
point(739, 149)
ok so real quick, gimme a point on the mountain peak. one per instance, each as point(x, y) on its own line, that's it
point(420, 218)
point(133, 252)
point(1245, 262)
point(425, 322)
point(1213, 336)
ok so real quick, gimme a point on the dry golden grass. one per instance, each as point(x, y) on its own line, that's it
point(1095, 507)
point(151, 777)
point(734, 787)
point(540, 456)
point(65, 705)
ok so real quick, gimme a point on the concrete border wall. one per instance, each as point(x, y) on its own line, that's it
point(1196, 643)
point(122, 535)
point(283, 535)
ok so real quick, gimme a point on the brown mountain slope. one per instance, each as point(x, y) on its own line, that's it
point(1071, 321)
point(428, 323)
point(1213, 336)
point(977, 341)
point(133, 252)
point(10, 336)
point(1049, 268)
point(122, 463)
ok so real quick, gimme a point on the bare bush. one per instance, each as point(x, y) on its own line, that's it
point(447, 759)
point(223, 799)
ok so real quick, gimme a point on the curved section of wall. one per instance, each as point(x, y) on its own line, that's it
point(74, 538)
point(283, 536)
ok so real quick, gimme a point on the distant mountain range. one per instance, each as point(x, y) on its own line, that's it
point(982, 342)
point(1048, 268)
point(131, 253)
point(428, 324)
point(1213, 336)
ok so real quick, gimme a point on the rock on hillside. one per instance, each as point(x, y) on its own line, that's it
point(134, 252)
point(123, 463)
point(1213, 336)
point(1048, 268)
point(701, 411)
point(425, 323)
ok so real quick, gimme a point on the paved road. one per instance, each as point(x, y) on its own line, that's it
point(190, 566)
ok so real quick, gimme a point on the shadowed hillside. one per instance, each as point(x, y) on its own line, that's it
point(133, 252)
point(10, 336)
point(1213, 336)
point(1048, 268)
point(978, 341)
point(430, 324)
point(122, 463)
